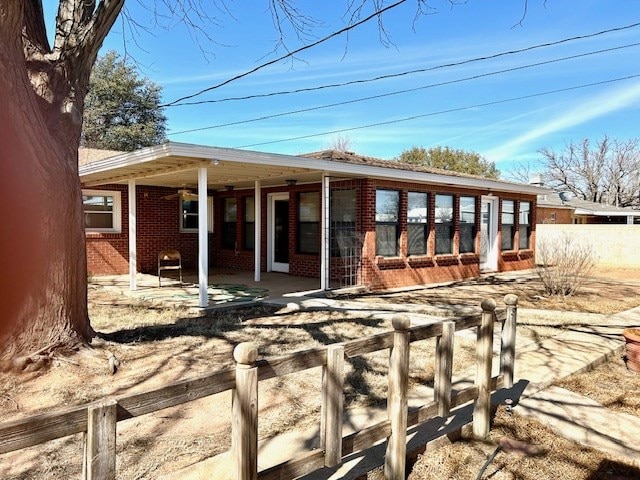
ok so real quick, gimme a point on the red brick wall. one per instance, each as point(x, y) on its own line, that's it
point(555, 215)
point(159, 228)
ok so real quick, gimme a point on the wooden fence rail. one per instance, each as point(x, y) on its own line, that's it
point(98, 420)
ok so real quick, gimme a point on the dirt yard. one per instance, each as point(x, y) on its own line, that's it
point(159, 345)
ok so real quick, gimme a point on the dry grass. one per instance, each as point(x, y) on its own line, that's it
point(560, 458)
point(161, 345)
point(610, 384)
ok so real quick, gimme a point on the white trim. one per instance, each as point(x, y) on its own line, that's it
point(491, 263)
point(324, 236)
point(273, 266)
point(174, 149)
point(133, 264)
point(203, 239)
point(257, 229)
point(116, 213)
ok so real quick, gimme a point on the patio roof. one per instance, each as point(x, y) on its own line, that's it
point(176, 164)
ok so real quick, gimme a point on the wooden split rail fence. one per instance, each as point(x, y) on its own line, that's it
point(98, 420)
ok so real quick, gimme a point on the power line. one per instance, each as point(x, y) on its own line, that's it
point(375, 14)
point(176, 103)
point(398, 92)
point(451, 110)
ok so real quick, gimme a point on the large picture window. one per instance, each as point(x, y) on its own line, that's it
point(101, 211)
point(508, 218)
point(525, 225)
point(387, 227)
point(229, 217)
point(417, 223)
point(467, 224)
point(444, 224)
point(309, 223)
point(249, 223)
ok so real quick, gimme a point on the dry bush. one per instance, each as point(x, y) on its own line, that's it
point(563, 264)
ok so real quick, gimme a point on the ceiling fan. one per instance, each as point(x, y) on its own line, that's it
point(183, 194)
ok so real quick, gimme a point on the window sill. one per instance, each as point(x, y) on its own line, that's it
point(446, 259)
point(469, 258)
point(105, 234)
point(420, 261)
point(388, 263)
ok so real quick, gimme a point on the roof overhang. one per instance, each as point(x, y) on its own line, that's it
point(604, 213)
point(176, 164)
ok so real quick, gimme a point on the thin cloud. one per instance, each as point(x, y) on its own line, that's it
point(604, 104)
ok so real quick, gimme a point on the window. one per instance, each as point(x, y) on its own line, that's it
point(189, 215)
point(525, 225)
point(249, 223)
point(444, 224)
point(229, 215)
point(309, 223)
point(387, 216)
point(343, 222)
point(101, 211)
point(417, 209)
point(467, 224)
point(507, 225)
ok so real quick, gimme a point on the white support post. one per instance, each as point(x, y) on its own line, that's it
point(203, 238)
point(324, 240)
point(133, 262)
point(257, 225)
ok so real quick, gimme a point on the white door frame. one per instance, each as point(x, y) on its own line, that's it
point(491, 262)
point(273, 266)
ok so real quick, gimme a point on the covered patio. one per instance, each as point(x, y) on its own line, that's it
point(225, 288)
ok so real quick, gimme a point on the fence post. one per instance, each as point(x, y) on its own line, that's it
point(508, 340)
point(332, 405)
point(100, 448)
point(484, 349)
point(444, 368)
point(244, 406)
point(395, 458)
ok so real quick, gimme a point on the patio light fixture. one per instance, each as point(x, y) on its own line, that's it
point(291, 182)
point(229, 188)
point(215, 161)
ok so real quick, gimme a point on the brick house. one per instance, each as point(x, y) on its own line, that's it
point(336, 216)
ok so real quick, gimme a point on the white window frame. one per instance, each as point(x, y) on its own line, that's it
point(209, 215)
point(116, 213)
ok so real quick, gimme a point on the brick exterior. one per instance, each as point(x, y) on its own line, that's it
point(159, 228)
point(555, 215)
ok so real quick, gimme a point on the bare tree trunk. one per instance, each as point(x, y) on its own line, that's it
point(44, 276)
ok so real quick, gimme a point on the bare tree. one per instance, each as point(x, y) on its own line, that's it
point(604, 172)
point(42, 92)
point(342, 143)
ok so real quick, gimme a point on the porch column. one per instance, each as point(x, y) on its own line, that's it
point(257, 225)
point(324, 237)
point(629, 219)
point(203, 238)
point(133, 263)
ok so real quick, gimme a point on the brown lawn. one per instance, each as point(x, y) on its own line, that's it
point(159, 345)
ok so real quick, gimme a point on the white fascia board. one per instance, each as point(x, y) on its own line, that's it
point(327, 166)
point(614, 213)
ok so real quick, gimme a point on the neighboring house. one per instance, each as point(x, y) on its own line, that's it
point(561, 208)
point(342, 218)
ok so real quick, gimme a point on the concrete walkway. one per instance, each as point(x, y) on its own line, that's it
point(584, 345)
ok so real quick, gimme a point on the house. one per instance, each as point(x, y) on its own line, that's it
point(342, 218)
point(563, 208)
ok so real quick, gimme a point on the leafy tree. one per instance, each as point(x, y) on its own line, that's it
point(42, 94)
point(605, 171)
point(449, 159)
point(122, 110)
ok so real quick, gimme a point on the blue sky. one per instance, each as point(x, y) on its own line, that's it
point(507, 133)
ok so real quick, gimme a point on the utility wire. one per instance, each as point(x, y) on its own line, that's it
point(375, 14)
point(451, 110)
point(399, 92)
point(392, 75)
